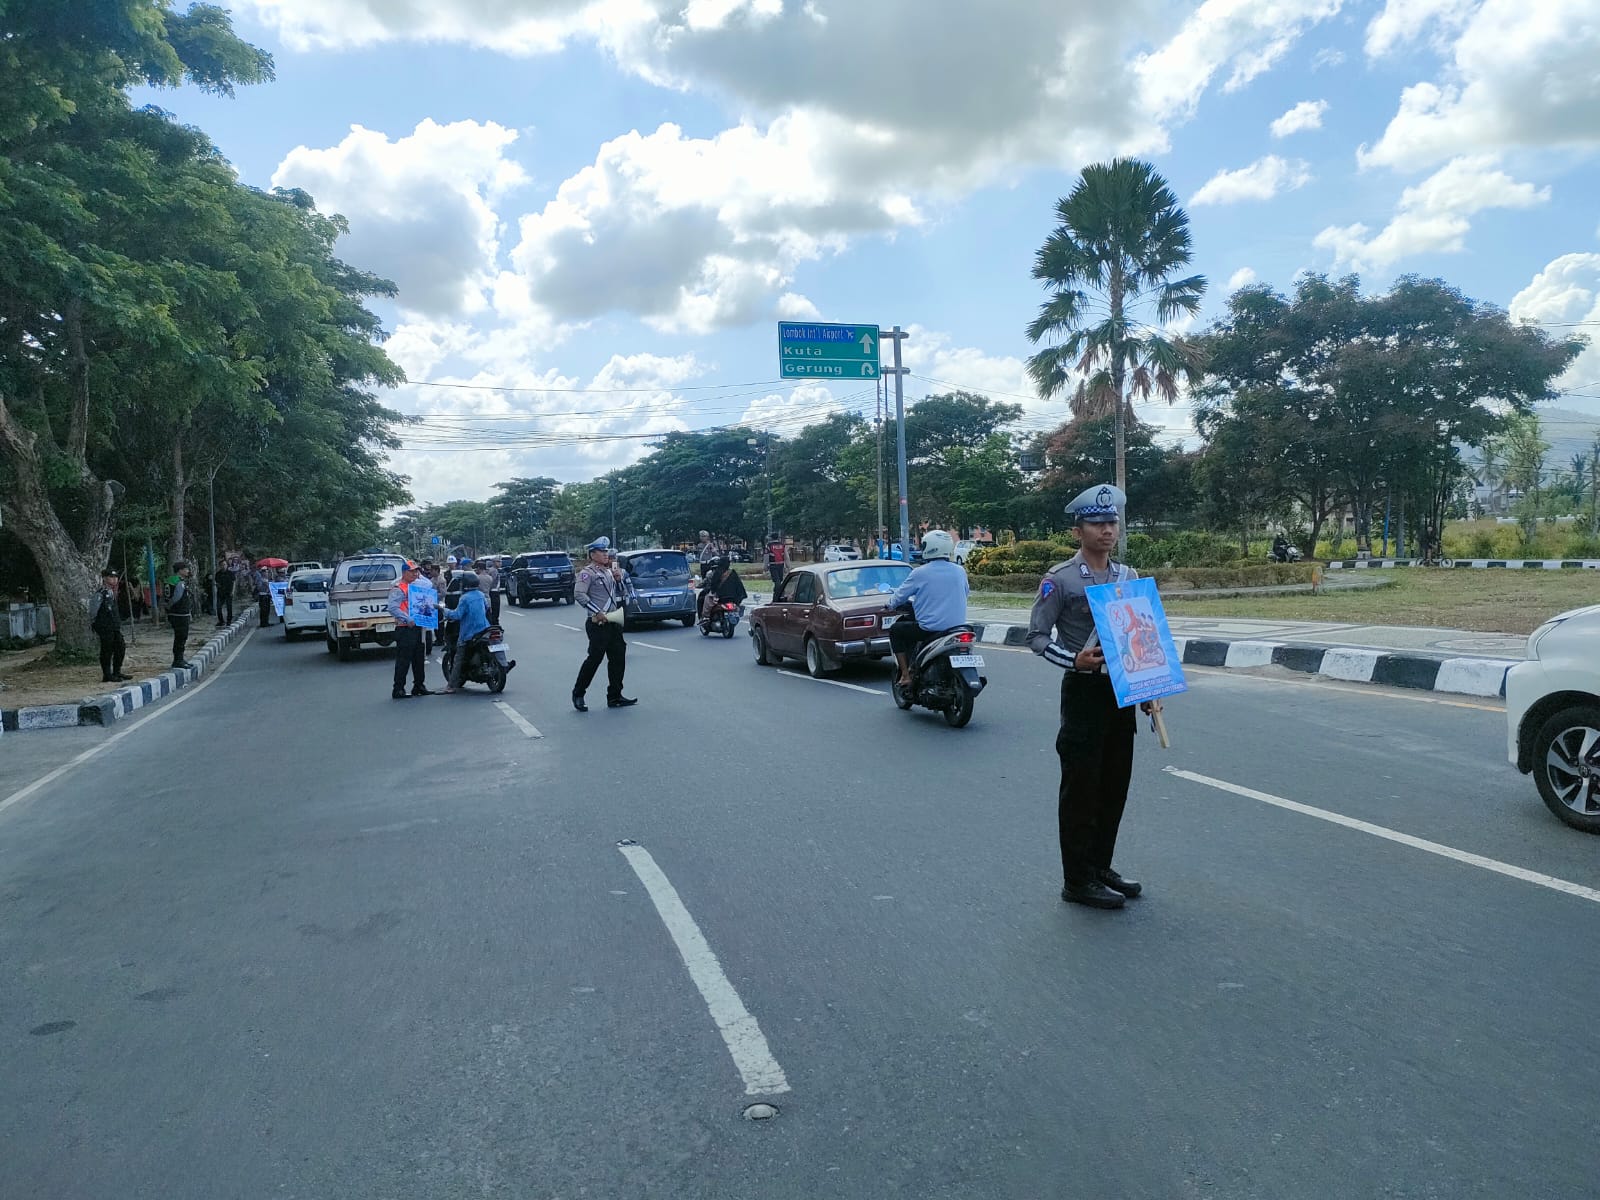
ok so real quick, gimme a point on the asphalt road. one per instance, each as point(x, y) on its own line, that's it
point(295, 939)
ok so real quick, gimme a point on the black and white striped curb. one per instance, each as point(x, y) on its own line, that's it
point(1349, 664)
point(113, 706)
point(1482, 564)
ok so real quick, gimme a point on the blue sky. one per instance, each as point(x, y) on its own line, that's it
point(608, 204)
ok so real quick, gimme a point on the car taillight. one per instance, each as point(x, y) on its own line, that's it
point(860, 622)
point(288, 599)
point(963, 637)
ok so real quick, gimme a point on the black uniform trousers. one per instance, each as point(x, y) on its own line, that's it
point(408, 657)
point(1095, 745)
point(113, 649)
point(180, 635)
point(605, 641)
point(225, 604)
point(265, 603)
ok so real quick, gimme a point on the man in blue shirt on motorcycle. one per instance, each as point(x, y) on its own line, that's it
point(937, 593)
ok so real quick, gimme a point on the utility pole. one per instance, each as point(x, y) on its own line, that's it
point(613, 479)
point(211, 515)
point(879, 531)
point(1594, 487)
point(899, 371)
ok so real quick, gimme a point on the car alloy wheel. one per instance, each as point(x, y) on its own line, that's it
point(1567, 766)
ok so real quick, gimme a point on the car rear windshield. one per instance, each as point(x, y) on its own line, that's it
point(668, 563)
point(550, 562)
point(373, 572)
point(878, 579)
point(314, 583)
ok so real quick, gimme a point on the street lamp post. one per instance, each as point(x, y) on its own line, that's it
point(765, 442)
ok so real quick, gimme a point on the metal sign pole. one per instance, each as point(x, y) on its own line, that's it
point(898, 336)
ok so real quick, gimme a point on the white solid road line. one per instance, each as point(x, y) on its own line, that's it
point(517, 719)
point(740, 1032)
point(854, 687)
point(1392, 835)
point(22, 794)
point(574, 628)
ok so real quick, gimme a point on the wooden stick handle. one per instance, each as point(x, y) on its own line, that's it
point(1161, 727)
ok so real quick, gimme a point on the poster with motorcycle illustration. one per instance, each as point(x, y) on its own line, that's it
point(1141, 657)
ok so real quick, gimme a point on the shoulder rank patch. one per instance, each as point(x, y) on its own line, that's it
point(1047, 588)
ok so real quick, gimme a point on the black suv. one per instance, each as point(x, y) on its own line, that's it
point(546, 575)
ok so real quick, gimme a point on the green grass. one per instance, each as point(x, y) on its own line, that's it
point(1496, 601)
point(1486, 601)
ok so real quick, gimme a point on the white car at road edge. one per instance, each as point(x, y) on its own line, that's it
point(840, 553)
point(1553, 716)
point(305, 602)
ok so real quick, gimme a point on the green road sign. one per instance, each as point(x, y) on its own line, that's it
point(807, 350)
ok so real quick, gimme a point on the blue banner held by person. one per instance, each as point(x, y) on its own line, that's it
point(1141, 657)
point(423, 600)
point(278, 590)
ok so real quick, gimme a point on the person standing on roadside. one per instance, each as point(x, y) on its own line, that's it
point(107, 625)
point(224, 582)
point(407, 637)
point(488, 582)
point(431, 573)
point(705, 552)
point(775, 562)
point(599, 589)
point(180, 609)
point(261, 583)
point(1095, 741)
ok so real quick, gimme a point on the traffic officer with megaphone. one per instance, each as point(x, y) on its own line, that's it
point(601, 590)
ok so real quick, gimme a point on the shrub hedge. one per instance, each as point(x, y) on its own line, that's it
point(1172, 580)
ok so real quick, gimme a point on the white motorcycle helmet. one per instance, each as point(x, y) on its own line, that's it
point(936, 543)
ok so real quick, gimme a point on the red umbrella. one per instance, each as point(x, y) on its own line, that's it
point(272, 562)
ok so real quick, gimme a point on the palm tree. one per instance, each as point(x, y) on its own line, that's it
point(1122, 235)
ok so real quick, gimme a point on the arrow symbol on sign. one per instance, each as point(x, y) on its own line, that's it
point(866, 370)
point(866, 343)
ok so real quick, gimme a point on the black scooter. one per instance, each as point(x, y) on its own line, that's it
point(945, 676)
point(488, 661)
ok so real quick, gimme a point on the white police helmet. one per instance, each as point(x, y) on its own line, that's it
point(936, 543)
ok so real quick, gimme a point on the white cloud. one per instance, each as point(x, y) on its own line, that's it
point(1305, 115)
point(698, 233)
point(1517, 75)
point(1404, 21)
point(1243, 277)
point(1246, 36)
point(1327, 58)
point(1261, 180)
point(1432, 216)
point(421, 208)
point(1567, 291)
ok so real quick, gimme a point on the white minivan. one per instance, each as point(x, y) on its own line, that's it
point(305, 602)
point(1553, 716)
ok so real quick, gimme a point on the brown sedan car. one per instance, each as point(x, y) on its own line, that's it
point(825, 613)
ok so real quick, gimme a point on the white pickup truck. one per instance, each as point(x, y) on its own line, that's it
point(358, 602)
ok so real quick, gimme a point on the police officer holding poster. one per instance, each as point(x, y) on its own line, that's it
point(1095, 741)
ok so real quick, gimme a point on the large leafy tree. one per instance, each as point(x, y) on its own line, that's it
point(962, 465)
point(1081, 453)
point(820, 488)
point(522, 507)
point(1112, 268)
point(1331, 397)
point(160, 324)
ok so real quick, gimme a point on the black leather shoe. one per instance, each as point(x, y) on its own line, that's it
point(421, 692)
point(109, 678)
point(577, 702)
point(181, 666)
point(123, 678)
point(1093, 893)
point(621, 702)
point(398, 696)
point(1128, 887)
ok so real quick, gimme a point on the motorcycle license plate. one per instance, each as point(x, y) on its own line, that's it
point(966, 660)
point(499, 648)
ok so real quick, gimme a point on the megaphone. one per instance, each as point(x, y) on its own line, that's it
point(617, 616)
